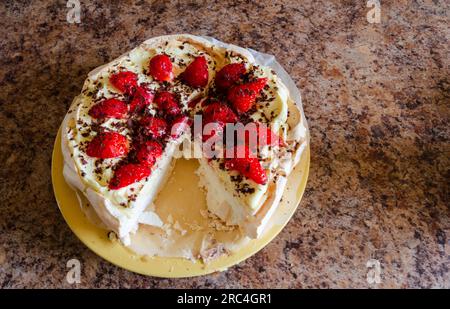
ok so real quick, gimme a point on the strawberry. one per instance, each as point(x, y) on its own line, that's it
point(109, 108)
point(154, 126)
point(261, 134)
point(127, 174)
point(161, 68)
point(215, 130)
point(205, 102)
point(125, 82)
point(194, 102)
point(217, 111)
point(148, 152)
point(219, 114)
point(267, 137)
point(141, 98)
point(248, 166)
point(107, 145)
point(168, 102)
point(244, 96)
point(196, 73)
point(212, 139)
point(229, 75)
point(179, 125)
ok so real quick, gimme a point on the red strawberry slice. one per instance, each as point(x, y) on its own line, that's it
point(154, 126)
point(148, 152)
point(244, 96)
point(248, 166)
point(219, 112)
point(141, 98)
point(168, 102)
point(196, 73)
point(179, 125)
point(128, 174)
point(161, 68)
point(109, 108)
point(229, 75)
point(107, 145)
point(125, 82)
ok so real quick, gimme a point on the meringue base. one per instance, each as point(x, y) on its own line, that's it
point(193, 236)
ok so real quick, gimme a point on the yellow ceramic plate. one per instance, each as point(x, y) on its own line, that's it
point(96, 238)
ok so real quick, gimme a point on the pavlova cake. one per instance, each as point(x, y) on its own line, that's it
point(181, 96)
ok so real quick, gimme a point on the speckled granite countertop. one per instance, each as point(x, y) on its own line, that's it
point(376, 97)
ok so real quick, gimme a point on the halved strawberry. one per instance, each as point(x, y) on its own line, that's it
point(128, 174)
point(244, 96)
point(196, 73)
point(161, 68)
point(148, 152)
point(168, 102)
point(125, 82)
point(247, 165)
point(107, 145)
point(154, 126)
point(141, 98)
point(179, 125)
point(217, 111)
point(229, 75)
point(109, 108)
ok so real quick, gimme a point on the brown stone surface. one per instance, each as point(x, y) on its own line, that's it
point(376, 97)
